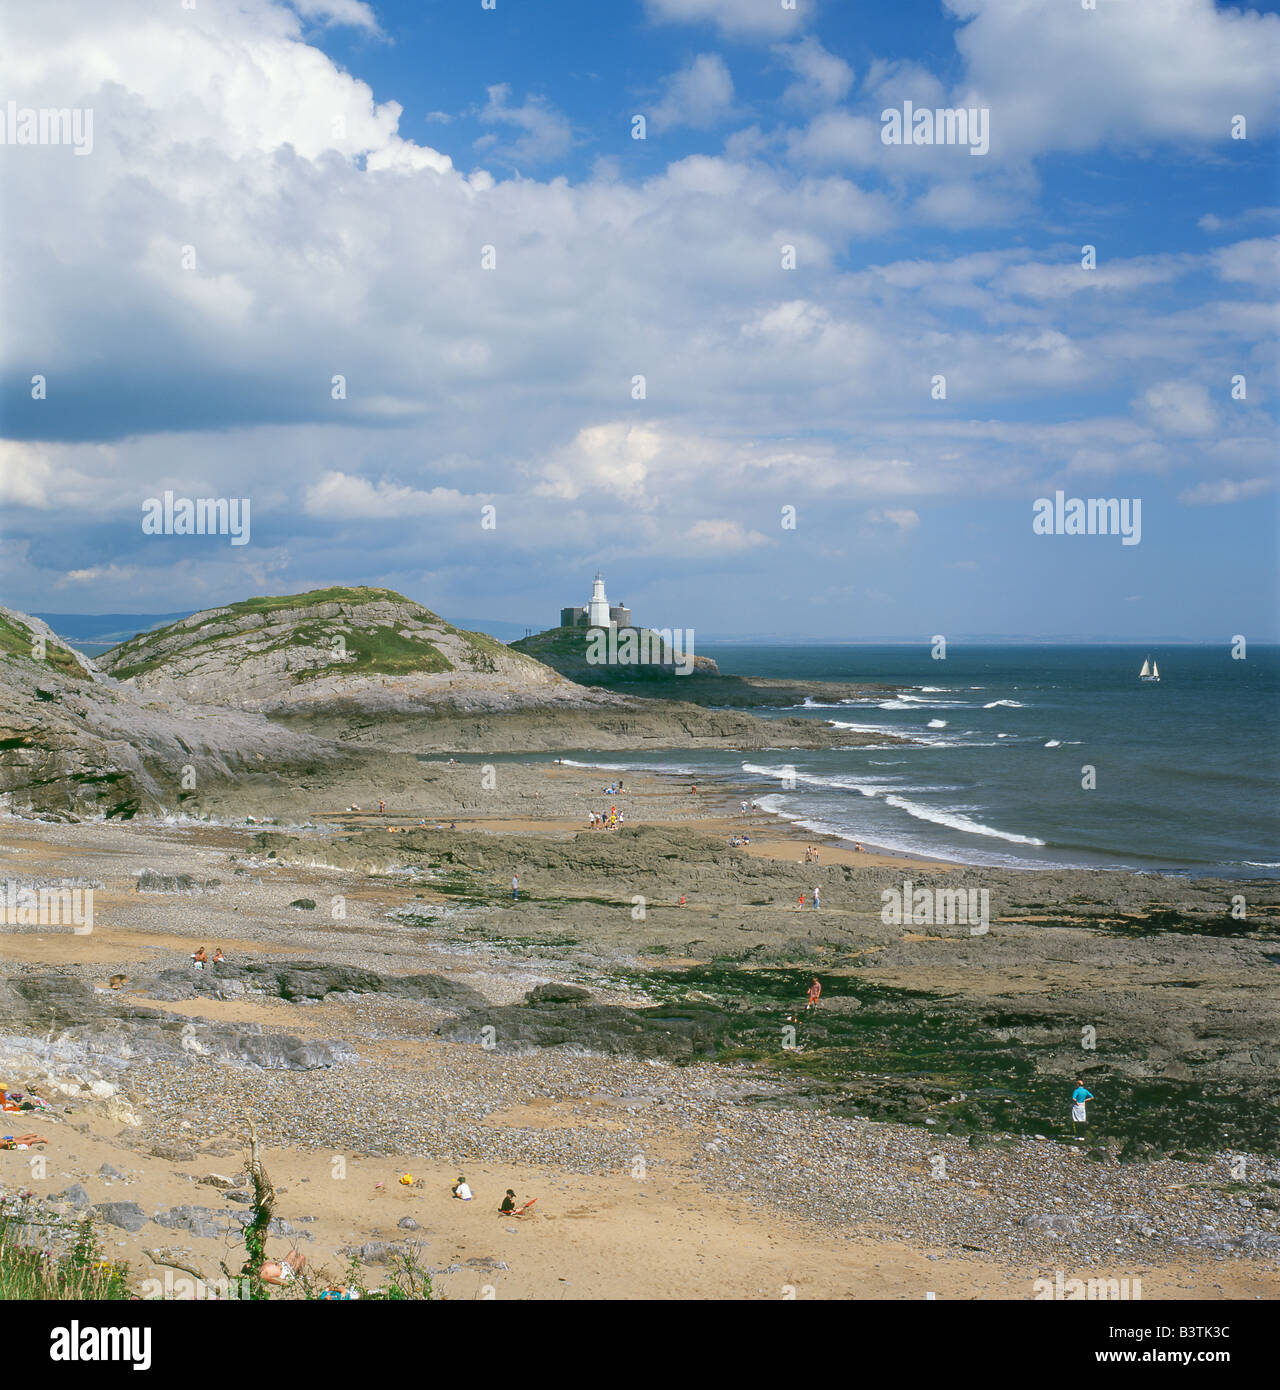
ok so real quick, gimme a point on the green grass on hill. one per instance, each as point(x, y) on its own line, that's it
point(377, 649)
point(380, 650)
point(16, 640)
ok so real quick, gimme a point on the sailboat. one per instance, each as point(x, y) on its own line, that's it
point(1150, 671)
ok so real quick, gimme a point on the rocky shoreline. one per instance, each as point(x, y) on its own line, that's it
point(597, 1021)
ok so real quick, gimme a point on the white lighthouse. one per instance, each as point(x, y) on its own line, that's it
point(598, 613)
point(598, 608)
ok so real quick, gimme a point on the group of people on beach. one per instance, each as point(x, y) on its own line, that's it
point(817, 897)
point(599, 821)
point(811, 854)
point(200, 959)
point(461, 1190)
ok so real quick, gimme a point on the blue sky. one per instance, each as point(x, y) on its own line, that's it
point(281, 193)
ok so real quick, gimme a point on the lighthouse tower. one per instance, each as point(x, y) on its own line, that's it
point(598, 608)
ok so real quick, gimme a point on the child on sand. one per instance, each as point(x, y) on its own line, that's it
point(460, 1189)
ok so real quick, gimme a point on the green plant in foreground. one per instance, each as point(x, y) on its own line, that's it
point(67, 1263)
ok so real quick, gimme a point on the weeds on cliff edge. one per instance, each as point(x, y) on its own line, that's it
point(46, 1256)
point(255, 1232)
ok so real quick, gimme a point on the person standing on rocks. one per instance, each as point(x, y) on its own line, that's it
point(515, 887)
point(815, 993)
point(1079, 1098)
point(817, 898)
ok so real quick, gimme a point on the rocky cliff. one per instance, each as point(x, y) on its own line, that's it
point(366, 648)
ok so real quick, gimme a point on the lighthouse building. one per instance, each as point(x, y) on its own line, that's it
point(598, 612)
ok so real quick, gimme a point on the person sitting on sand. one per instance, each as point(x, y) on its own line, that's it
point(460, 1189)
point(218, 957)
point(509, 1208)
point(199, 959)
point(280, 1271)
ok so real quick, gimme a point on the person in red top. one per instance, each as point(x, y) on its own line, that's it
point(815, 993)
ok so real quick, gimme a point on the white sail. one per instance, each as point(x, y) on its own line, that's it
point(1146, 669)
point(1155, 669)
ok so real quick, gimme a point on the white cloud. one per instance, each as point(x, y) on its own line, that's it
point(1255, 262)
point(25, 475)
point(354, 14)
point(723, 535)
point(1059, 77)
point(342, 495)
point(700, 95)
point(753, 19)
point(326, 248)
point(1179, 408)
point(823, 77)
point(614, 459)
point(1224, 490)
point(98, 574)
point(546, 133)
point(903, 518)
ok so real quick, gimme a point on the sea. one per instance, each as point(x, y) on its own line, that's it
point(1024, 756)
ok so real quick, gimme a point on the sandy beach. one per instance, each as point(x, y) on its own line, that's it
point(664, 1167)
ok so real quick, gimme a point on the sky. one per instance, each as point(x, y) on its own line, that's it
point(401, 274)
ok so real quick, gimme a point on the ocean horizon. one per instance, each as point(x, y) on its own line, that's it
point(1185, 772)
